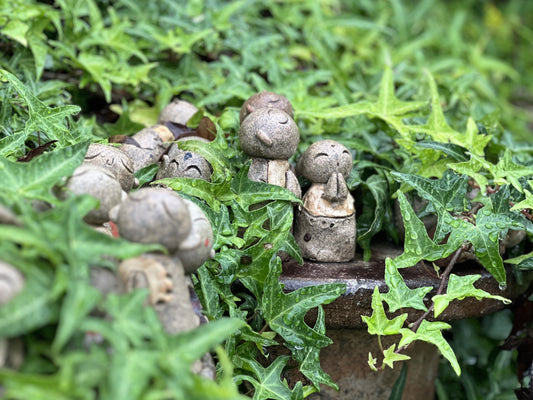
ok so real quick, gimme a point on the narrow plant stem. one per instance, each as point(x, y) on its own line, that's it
point(442, 286)
point(263, 329)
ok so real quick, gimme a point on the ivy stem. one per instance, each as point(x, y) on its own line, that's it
point(442, 286)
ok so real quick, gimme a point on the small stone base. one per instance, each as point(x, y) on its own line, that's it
point(325, 239)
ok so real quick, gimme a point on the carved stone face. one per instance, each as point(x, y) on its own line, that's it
point(265, 100)
point(153, 215)
point(269, 133)
point(98, 182)
point(113, 159)
point(183, 163)
point(324, 158)
point(198, 246)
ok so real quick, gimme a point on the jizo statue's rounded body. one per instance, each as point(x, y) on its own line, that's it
point(324, 227)
point(270, 137)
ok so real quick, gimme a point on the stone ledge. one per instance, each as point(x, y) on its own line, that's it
point(361, 277)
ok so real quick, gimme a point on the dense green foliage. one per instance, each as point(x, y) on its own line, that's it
point(433, 98)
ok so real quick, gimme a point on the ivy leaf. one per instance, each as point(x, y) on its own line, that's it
point(285, 312)
point(525, 204)
point(460, 287)
point(485, 237)
point(390, 357)
point(431, 332)
point(378, 186)
point(508, 171)
point(417, 244)
point(523, 261)
point(446, 194)
point(267, 382)
point(458, 153)
point(34, 179)
point(309, 357)
point(250, 192)
point(378, 323)
point(439, 130)
point(42, 118)
point(399, 295)
point(387, 107)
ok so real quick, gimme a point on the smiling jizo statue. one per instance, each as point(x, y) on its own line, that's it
point(270, 137)
point(324, 227)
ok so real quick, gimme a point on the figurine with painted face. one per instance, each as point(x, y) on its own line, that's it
point(183, 163)
point(325, 226)
point(270, 137)
point(115, 160)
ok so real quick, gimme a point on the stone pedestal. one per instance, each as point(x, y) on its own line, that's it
point(346, 360)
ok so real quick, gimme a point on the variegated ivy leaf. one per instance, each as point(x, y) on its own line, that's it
point(390, 357)
point(399, 295)
point(417, 244)
point(460, 287)
point(431, 332)
point(525, 204)
point(378, 323)
point(446, 194)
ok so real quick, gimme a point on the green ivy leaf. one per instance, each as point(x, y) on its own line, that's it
point(378, 186)
point(309, 357)
point(446, 194)
point(48, 120)
point(417, 244)
point(399, 295)
point(390, 357)
point(285, 312)
point(507, 171)
point(34, 179)
point(525, 204)
point(431, 332)
point(387, 107)
point(378, 323)
point(267, 382)
point(460, 287)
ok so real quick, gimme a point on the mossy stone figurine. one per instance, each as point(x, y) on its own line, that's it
point(115, 160)
point(270, 137)
point(98, 182)
point(179, 163)
point(265, 100)
point(324, 227)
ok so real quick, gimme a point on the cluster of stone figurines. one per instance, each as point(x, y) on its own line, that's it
point(324, 226)
point(153, 215)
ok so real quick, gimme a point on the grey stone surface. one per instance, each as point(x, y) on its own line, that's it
point(265, 100)
point(269, 133)
point(325, 239)
point(153, 215)
point(152, 143)
point(98, 182)
point(197, 247)
point(113, 159)
point(325, 227)
point(183, 163)
point(177, 112)
point(169, 295)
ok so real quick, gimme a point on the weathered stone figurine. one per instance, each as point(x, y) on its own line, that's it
point(324, 227)
point(270, 137)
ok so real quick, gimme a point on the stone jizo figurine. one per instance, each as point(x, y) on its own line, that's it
point(183, 163)
point(150, 144)
point(114, 159)
point(98, 182)
point(265, 100)
point(270, 137)
point(324, 227)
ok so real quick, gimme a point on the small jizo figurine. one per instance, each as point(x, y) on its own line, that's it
point(270, 136)
point(325, 227)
